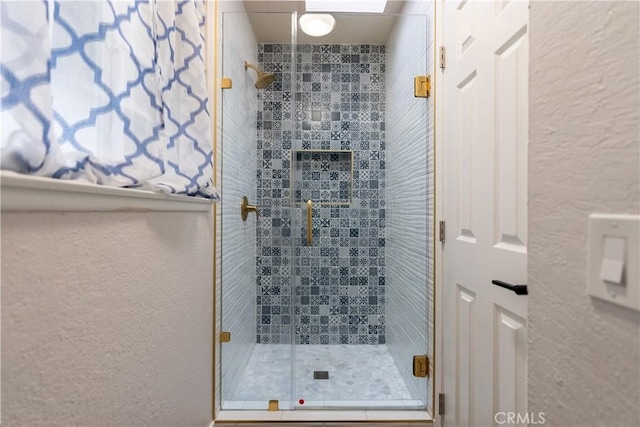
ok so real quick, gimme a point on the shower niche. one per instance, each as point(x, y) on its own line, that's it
point(322, 176)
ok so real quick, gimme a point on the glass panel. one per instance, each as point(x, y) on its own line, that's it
point(256, 252)
point(361, 154)
point(339, 126)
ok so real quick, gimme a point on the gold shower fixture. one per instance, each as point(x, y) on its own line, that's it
point(264, 79)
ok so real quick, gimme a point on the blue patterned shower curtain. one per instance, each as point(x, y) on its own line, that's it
point(110, 92)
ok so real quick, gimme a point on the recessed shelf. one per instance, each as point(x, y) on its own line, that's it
point(322, 176)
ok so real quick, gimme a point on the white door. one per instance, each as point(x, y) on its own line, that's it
point(485, 209)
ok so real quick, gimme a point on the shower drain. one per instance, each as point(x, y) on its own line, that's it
point(320, 375)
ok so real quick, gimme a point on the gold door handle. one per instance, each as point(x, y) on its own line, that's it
point(245, 208)
point(309, 223)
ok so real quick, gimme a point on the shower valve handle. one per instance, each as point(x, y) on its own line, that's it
point(245, 208)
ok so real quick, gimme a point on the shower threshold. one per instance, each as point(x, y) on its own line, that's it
point(262, 405)
point(403, 417)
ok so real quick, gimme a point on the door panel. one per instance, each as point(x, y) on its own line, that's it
point(465, 122)
point(465, 332)
point(484, 205)
point(511, 142)
point(509, 363)
point(360, 155)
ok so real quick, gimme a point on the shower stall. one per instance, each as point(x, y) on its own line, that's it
point(327, 278)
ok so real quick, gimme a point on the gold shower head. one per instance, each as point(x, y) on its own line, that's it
point(264, 79)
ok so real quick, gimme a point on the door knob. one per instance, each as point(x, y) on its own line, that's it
point(245, 208)
point(518, 289)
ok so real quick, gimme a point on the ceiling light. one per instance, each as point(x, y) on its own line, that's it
point(317, 24)
point(362, 6)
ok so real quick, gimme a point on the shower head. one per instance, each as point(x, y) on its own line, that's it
point(264, 79)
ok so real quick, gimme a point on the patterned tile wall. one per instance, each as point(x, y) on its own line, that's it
point(336, 103)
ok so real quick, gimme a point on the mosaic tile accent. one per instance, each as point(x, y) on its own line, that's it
point(336, 103)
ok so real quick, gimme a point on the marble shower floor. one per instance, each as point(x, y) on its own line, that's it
point(359, 376)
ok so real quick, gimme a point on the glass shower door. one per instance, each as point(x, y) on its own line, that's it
point(362, 217)
point(328, 293)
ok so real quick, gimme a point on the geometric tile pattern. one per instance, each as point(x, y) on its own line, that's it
point(332, 292)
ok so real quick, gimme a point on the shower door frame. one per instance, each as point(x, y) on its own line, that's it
point(213, 34)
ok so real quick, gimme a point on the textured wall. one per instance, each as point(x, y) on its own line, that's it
point(106, 319)
point(584, 354)
point(410, 210)
point(238, 238)
point(339, 105)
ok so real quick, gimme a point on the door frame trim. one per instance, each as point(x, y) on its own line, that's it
point(438, 144)
point(213, 63)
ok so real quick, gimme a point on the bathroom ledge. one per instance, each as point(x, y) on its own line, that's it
point(22, 193)
point(358, 416)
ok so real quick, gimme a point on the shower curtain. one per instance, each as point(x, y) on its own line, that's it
point(108, 92)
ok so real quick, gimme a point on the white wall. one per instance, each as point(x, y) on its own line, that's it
point(584, 354)
point(409, 196)
point(238, 169)
point(106, 319)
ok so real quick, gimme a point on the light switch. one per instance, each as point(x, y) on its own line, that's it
point(613, 259)
point(613, 271)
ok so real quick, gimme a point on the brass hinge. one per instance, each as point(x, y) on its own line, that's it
point(225, 336)
point(443, 57)
point(422, 86)
point(421, 366)
point(442, 231)
point(226, 83)
point(441, 404)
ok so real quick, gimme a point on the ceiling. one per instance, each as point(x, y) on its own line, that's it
point(271, 23)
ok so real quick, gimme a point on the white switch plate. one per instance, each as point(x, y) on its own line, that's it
point(602, 226)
